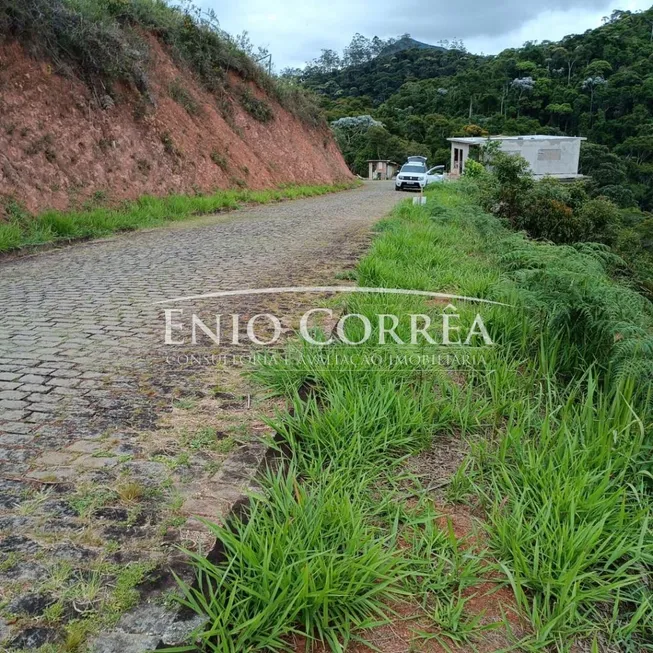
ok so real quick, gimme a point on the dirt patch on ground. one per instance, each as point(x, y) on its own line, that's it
point(62, 147)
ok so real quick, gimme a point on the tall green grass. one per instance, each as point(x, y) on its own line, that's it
point(570, 516)
point(307, 562)
point(557, 417)
point(565, 476)
point(24, 230)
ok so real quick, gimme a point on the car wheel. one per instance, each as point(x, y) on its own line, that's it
point(397, 187)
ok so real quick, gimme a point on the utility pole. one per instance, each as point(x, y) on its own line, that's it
point(269, 58)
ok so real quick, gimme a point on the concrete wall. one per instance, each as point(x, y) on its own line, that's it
point(457, 168)
point(547, 156)
point(380, 170)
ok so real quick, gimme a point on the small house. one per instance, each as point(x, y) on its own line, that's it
point(381, 169)
point(553, 156)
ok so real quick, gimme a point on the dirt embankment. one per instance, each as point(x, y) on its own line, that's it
point(61, 145)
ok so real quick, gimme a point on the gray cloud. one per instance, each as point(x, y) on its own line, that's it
point(295, 32)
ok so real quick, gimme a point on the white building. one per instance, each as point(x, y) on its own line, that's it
point(381, 169)
point(553, 156)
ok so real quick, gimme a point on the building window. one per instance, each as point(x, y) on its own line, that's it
point(548, 155)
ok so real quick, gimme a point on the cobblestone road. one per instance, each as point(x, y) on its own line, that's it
point(84, 485)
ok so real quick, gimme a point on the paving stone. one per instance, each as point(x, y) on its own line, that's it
point(33, 637)
point(67, 551)
point(179, 632)
point(54, 474)
point(67, 391)
point(44, 398)
point(14, 455)
point(38, 371)
point(33, 378)
point(34, 387)
point(9, 376)
point(148, 472)
point(86, 446)
point(43, 407)
point(65, 374)
point(54, 459)
point(207, 507)
point(14, 524)
point(118, 641)
point(148, 619)
point(16, 427)
point(91, 375)
point(92, 462)
point(16, 439)
point(30, 604)
point(64, 383)
point(90, 384)
point(18, 544)
point(36, 417)
point(9, 404)
point(13, 415)
point(9, 385)
point(12, 395)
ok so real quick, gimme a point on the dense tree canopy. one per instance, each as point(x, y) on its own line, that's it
point(598, 84)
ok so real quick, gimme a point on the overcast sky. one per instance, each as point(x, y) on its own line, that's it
point(295, 31)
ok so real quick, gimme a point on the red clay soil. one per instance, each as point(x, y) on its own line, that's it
point(58, 147)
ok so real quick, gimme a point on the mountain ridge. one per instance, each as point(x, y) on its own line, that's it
point(407, 43)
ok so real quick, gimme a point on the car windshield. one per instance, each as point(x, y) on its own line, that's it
point(413, 168)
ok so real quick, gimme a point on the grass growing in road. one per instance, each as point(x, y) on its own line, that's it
point(557, 417)
point(24, 230)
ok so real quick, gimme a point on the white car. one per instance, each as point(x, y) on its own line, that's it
point(415, 176)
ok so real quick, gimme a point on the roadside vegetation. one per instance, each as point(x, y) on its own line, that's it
point(581, 85)
point(564, 213)
point(555, 417)
point(25, 230)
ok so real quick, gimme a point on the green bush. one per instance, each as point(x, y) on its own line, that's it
point(553, 220)
point(473, 169)
point(10, 237)
point(547, 214)
point(602, 219)
point(508, 196)
point(258, 109)
point(547, 209)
